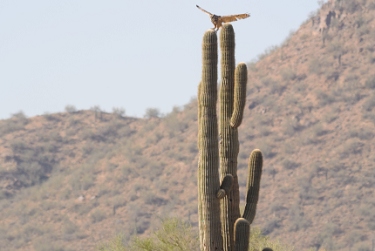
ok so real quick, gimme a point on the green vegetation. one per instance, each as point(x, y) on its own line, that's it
point(70, 108)
point(174, 235)
point(118, 111)
point(152, 113)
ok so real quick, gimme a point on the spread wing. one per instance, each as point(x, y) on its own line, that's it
point(231, 18)
point(204, 11)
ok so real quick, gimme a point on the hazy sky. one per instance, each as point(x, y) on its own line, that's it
point(118, 53)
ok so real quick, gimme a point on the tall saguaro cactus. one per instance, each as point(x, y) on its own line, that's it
point(221, 226)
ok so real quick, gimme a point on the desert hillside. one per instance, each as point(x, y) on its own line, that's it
point(71, 180)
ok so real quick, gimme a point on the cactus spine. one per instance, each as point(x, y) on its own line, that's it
point(220, 224)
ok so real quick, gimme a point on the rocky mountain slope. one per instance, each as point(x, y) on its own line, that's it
point(71, 180)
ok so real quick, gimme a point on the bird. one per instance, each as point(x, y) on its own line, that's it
point(219, 20)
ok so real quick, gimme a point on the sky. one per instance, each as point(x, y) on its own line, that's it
point(125, 54)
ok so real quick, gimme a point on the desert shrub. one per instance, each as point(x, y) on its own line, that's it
point(117, 201)
point(175, 235)
point(87, 181)
point(351, 146)
point(15, 123)
point(292, 100)
point(174, 124)
point(363, 30)
point(356, 236)
point(369, 116)
point(291, 126)
point(318, 130)
point(152, 113)
point(298, 221)
point(18, 146)
point(371, 59)
point(51, 117)
point(267, 52)
point(331, 74)
point(363, 247)
point(264, 131)
point(192, 147)
point(330, 117)
point(370, 82)
point(267, 150)
point(74, 122)
point(370, 4)
point(369, 104)
point(258, 241)
point(154, 139)
point(270, 226)
point(19, 116)
point(350, 6)
point(361, 133)
point(315, 66)
point(49, 246)
point(335, 48)
point(31, 231)
point(97, 216)
point(69, 227)
point(70, 109)
point(33, 165)
point(351, 79)
point(82, 179)
point(351, 98)
point(288, 74)
point(98, 113)
point(118, 111)
point(110, 130)
point(359, 21)
point(48, 205)
point(324, 98)
point(275, 87)
point(82, 208)
point(276, 207)
point(289, 164)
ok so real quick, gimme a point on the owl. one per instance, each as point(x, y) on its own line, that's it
point(219, 20)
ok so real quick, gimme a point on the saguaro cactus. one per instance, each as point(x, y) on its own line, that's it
point(220, 224)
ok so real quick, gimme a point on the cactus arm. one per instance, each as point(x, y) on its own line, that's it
point(253, 184)
point(226, 186)
point(208, 174)
point(240, 81)
point(242, 234)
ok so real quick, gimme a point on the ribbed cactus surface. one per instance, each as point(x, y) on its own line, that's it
point(228, 147)
point(208, 173)
point(220, 224)
point(253, 184)
point(241, 234)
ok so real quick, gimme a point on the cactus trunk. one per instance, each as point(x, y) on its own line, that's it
point(228, 147)
point(208, 174)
